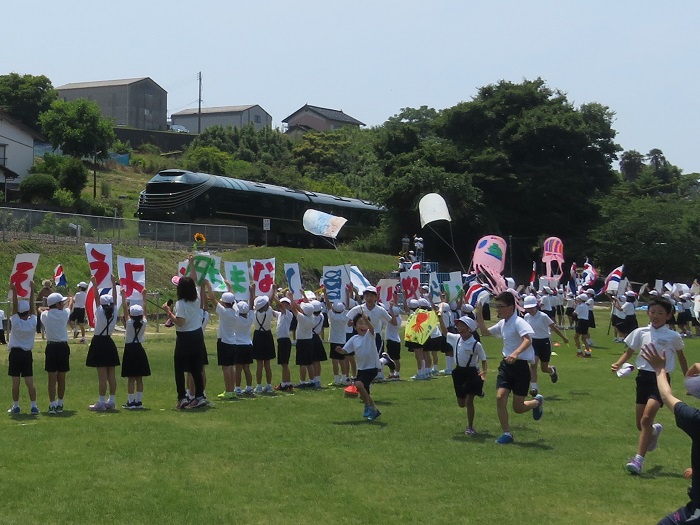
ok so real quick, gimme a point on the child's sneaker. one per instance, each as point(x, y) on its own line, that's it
point(52, 410)
point(656, 430)
point(197, 402)
point(13, 410)
point(579, 354)
point(504, 439)
point(35, 411)
point(238, 391)
point(182, 403)
point(539, 409)
point(59, 409)
point(368, 411)
point(110, 405)
point(554, 376)
point(82, 340)
point(374, 414)
point(586, 354)
point(138, 405)
point(258, 389)
point(268, 389)
point(470, 431)
point(98, 407)
point(128, 405)
point(634, 467)
point(534, 392)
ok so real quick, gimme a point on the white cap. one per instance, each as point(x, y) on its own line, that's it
point(530, 302)
point(54, 298)
point(412, 304)
point(317, 305)
point(22, 306)
point(285, 300)
point(228, 297)
point(82, 284)
point(582, 297)
point(471, 323)
point(307, 308)
point(136, 310)
point(261, 301)
point(630, 293)
point(654, 292)
point(106, 299)
point(692, 386)
point(590, 290)
point(423, 302)
point(338, 307)
point(467, 308)
point(243, 307)
point(370, 289)
point(625, 370)
point(396, 310)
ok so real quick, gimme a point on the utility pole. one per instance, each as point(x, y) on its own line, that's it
point(199, 99)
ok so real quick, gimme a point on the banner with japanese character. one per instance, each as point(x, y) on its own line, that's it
point(263, 271)
point(453, 287)
point(434, 287)
point(335, 280)
point(100, 260)
point(237, 274)
point(293, 275)
point(207, 268)
point(23, 272)
point(410, 284)
point(132, 276)
point(386, 288)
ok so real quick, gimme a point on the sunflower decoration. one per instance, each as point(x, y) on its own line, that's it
point(199, 240)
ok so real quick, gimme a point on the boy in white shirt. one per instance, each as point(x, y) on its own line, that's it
point(20, 347)
point(57, 362)
point(648, 398)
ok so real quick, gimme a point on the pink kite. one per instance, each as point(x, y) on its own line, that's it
point(553, 252)
point(489, 261)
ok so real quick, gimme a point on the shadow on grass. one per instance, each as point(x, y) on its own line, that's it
point(579, 393)
point(426, 399)
point(358, 423)
point(657, 471)
point(383, 403)
point(539, 444)
point(549, 399)
point(66, 413)
point(479, 437)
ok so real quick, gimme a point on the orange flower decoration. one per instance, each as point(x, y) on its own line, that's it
point(199, 238)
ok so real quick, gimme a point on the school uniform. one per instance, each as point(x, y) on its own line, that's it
point(206, 316)
point(243, 348)
point(684, 316)
point(20, 361)
point(665, 340)
point(77, 315)
point(618, 316)
point(582, 312)
point(378, 316)
point(189, 345)
point(284, 342)
point(337, 323)
point(103, 352)
point(305, 345)
point(57, 353)
point(263, 342)
point(319, 352)
point(546, 305)
point(368, 363)
point(2, 327)
point(541, 342)
point(226, 340)
point(393, 339)
point(515, 376)
point(591, 317)
point(134, 360)
point(630, 323)
point(469, 354)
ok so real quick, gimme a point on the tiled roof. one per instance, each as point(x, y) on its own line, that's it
point(220, 109)
point(329, 114)
point(102, 83)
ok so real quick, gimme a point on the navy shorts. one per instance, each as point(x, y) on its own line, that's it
point(543, 349)
point(20, 363)
point(515, 377)
point(242, 354)
point(57, 357)
point(284, 350)
point(466, 381)
point(393, 348)
point(332, 352)
point(225, 353)
point(366, 377)
point(647, 388)
point(305, 352)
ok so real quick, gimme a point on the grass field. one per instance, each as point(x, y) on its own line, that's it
point(309, 457)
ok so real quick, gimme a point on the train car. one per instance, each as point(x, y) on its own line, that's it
point(185, 196)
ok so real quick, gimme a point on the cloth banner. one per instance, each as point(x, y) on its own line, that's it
point(293, 275)
point(237, 274)
point(132, 276)
point(100, 260)
point(420, 325)
point(335, 280)
point(263, 271)
point(23, 272)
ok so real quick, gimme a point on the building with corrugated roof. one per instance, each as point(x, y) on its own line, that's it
point(132, 102)
point(234, 116)
point(318, 119)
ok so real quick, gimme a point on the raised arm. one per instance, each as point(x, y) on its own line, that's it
point(32, 306)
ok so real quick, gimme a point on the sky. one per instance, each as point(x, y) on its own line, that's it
point(373, 58)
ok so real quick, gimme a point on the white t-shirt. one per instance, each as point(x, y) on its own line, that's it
point(540, 323)
point(263, 320)
point(55, 322)
point(101, 326)
point(130, 332)
point(318, 323)
point(582, 311)
point(546, 302)
point(305, 326)
point(227, 324)
point(392, 331)
point(337, 322)
point(79, 299)
point(191, 312)
point(665, 340)
point(512, 332)
point(22, 333)
point(378, 316)
point(628, 309)
point(205, 318)
point(465, 350)
point(365, 349)
point(284, 321)
point(242, 328)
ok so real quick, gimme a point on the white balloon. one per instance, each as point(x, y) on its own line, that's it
point(432, 207)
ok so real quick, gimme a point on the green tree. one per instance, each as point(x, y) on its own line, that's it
point(70, 173)
point(78, 128)
point(25, 97)
point(208, 159)
point(631, 164)
point(38, 187)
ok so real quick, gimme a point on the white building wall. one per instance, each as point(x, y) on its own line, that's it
point(19, 150)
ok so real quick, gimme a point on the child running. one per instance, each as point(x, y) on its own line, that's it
point(467, 378)
point(581, 313)
point(648, 398)
point(135, 365)
point(514, 370)
point(365, 348)
point(20, 347)
point(57, 360)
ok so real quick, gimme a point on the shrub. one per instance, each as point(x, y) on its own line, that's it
point(105, 189)
point(71, 173)
point(147, 148)
point(208, 159)
point(63, 198)
point(38, 187)
point(121, 147)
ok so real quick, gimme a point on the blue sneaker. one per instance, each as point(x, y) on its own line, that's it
point(367, 412)
point(537, 412)
point(35, 411)
point(505, 439)
point(13, 410)
point(374, 414)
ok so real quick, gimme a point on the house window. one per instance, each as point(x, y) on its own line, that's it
point(257, 119)
point(3, 152)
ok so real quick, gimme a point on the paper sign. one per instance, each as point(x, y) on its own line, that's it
point(237, 274)
point(100, 260)
point(434, 288)
point(386, 288)
point(453, 288)
point(23, 272)
point(410, 284)
point(335, 280)
point(132, 276)
point(420, 325)
point(263, 275)
point(293, 275)
point(90, 302)
point(358, 280)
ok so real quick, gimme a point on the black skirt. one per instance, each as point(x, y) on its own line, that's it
point(135, 361)
point(102, 352)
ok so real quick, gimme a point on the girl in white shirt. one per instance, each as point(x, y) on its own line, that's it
point(135, 365)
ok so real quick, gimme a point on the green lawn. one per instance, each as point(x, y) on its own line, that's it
point(309, 457)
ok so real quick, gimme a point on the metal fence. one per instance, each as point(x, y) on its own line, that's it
point(66, 228)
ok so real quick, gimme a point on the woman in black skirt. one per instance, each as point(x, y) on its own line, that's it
point(103, 353)
point(135, 364)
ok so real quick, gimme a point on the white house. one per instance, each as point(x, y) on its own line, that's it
point(234, 116)
point(16, 151)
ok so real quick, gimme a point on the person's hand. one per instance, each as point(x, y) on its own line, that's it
point(651, 355)
point(614, 367)
point(512, 358)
